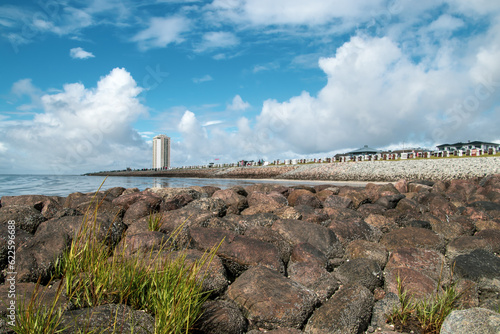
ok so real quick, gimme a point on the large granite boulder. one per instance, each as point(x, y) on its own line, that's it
point(269, 300)
point(237, 252)
point(25, 217)
point(297, 231)
point(234, 201)
point(348, 231)
point(473, 320)
point(412, 237)
point(366, 249)
point(347, 312)
point(221, 317)
point(46, 205)
point(414, 282)
point(481, 267)
point(426, 261)
point(361, 271)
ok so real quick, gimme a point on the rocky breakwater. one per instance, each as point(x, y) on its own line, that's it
point(431, 169)
point(297, 259)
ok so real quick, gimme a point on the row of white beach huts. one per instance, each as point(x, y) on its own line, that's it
point(471, 149)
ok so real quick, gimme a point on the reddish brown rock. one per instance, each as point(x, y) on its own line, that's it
point(302, 196)
point(315, 278)
point(426, 261)
point(401, 186)
point(288, 213)
point(274, 238)
point(348, 231)
point(415, 283)
point(342, 214)
point(237, 252)
point(305, 252)
point(23, 292)
point(235, 202)
point(312, 215)
point(212, 273)
point(177, 223)
point(176, 202)
point(323, 194)
point(362, 271)
point(408, 205)
point(468, 294)
point(390, 201)
point(412, 237)
point(273, 199)
point(297, 231)
point(465, 245)
point(451, 227)
point(335, 201)
point(492, 237)
point(47, 205)
point(268, 188)
point(147, 205)
point(461, 190)
point(358, 197)
point(369, 208)
point(383, 223)
point(375, 191)
point(487, 225)
point(491, 209)
point(417, 187)
point(25, 217)
point(221, 317)
point(216, 206)
point(270, 300)
point(348, 311)
point(143, 243)
point(366, 249)
point(125, 201)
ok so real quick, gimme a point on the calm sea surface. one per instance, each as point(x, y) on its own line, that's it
point(63, 185)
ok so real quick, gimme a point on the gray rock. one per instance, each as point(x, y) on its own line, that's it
point(347, 312)
point(362, 271)
point(384, 307)
point(221, 317)
point(474, 320)
point(107, 319)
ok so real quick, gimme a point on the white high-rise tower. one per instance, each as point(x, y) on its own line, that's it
point(161, 151)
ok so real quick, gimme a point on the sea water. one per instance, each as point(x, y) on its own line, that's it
point(63, 185)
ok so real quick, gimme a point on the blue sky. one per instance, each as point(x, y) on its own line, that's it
point(85, 85)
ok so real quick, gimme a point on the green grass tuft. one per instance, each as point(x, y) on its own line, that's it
point(425, 315)
point(94, 273)
point(155, 221)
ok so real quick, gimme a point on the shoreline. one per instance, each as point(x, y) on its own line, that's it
point(366, 171)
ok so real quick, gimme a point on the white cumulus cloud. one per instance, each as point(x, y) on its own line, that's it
point(162, 31)
point(81, 129)
point(79, 53)
point(238, 104)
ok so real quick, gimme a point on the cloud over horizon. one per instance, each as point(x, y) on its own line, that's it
point(80, 128)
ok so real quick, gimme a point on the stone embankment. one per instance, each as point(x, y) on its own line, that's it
point(386, 171)
point(296, 259)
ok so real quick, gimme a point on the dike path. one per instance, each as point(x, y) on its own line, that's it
point(381, 171)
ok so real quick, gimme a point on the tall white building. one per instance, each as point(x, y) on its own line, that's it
point(161, 151)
